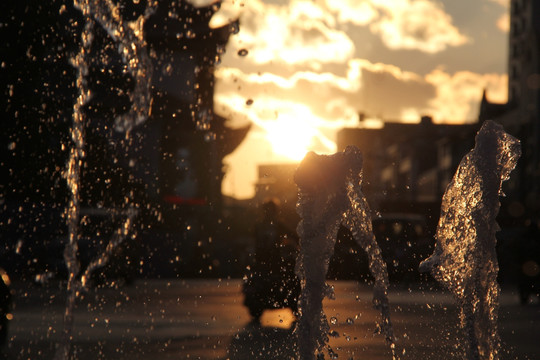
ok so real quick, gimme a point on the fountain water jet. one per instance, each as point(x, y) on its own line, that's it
point(129, 38)
point(464, 259)
point(131, 47)
point(72, 175)
point(329, 195)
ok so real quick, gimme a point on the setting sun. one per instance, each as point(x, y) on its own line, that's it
point(290, 137)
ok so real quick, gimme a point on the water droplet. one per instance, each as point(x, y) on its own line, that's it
point(209, 136)
point(242, 52)
point(333, 320)
point(249, 102)
point(350, 321)
point(167, 69)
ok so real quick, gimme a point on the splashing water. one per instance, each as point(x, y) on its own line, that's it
point(129, 37)
point(330, 195)
point(72, 175)
point(465, 260)
point(132, 48)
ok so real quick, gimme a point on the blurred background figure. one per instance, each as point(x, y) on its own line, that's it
point(271, 282)
point(274, 242)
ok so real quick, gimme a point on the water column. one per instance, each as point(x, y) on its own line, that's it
point(330, 195)
point(73, 175)
point(465, 258)
point(131, 46)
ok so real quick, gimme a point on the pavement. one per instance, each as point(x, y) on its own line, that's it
point(205, 319)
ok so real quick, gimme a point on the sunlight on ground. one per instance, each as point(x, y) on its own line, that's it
point(280, 318)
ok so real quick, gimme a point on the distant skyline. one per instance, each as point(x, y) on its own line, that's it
point(312, 66)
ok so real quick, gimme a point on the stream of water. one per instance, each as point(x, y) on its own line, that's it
point(330, 195)
point(465, 258)
point(131, 46)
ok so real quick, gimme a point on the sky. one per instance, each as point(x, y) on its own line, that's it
point(300, 70)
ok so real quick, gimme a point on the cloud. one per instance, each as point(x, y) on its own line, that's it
point(379, 90)
point(402, 24)
point(300, 33)
point(312, 34)
point(416, 25)
point(304, 88)
point(503, 23)
point(458, 95)
point(353, 11)
point(376, 89)
point(387, 92)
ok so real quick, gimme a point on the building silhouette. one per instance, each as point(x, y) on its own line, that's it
point(408, 165)
point(191, 139)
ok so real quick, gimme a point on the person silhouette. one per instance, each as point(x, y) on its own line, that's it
point(275, 244)
point(272, 282)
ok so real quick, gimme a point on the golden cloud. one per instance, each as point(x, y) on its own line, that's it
point(353, 11)
point(334, 101)
point(503, 23)
point(265, 97)
point(458, 95)
point(299, 33)
point(379, 90)
point(416, 25)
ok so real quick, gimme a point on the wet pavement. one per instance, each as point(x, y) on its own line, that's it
point(205, 319)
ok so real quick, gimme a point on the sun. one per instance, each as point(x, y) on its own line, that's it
point(290, 137)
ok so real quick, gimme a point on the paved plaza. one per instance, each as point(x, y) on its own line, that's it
point(205, 319)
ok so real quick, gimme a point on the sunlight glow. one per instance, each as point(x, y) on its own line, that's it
point(290, 137)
